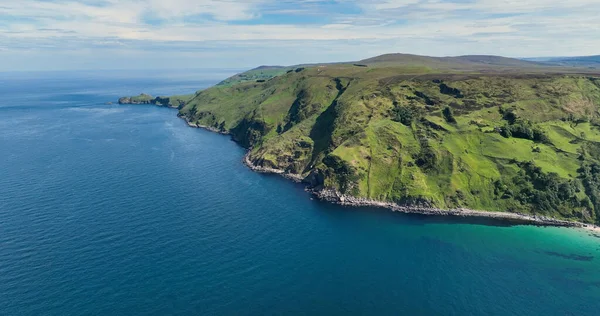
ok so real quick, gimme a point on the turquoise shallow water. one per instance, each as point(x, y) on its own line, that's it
point(124, 210)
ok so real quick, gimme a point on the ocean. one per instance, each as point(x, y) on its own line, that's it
point(110, 209)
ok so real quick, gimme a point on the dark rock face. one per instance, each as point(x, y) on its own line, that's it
point(315, 179)
point(161, 101)
point(445, 89)
point(249, 130)
point(301, 109)
point(425, 98)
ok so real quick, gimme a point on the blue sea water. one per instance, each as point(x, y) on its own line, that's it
point(124, 210)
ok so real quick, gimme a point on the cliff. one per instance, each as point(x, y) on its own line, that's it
point(476, 132)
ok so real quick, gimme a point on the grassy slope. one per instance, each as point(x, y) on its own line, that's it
point(260, 73)
point(380, 132)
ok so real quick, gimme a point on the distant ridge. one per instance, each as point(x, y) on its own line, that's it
point(494, 60)
point(581, 61)
point(450, 62)
point(263, 67)
point(417, 64)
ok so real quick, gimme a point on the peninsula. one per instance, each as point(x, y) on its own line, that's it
point(511, 138)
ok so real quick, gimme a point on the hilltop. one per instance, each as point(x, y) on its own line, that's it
point(479, 132)
point(256, 74)
point(465, 63)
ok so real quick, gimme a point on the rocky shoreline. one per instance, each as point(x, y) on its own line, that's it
point(336, 197)
point(333, 196)
point(346, 200)
point(208, 128)
point(294, 177)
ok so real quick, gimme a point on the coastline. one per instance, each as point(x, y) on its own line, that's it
point(194, 125)
point(294, 177)
point(333, 196)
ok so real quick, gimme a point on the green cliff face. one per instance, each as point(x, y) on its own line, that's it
point(502, 140)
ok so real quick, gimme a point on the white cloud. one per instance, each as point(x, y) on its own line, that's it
point(390, 4)
point(434, 27)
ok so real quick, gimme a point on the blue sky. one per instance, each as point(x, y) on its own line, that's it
point(134, 34)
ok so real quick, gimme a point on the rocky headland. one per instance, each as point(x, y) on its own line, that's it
point(480, 136)
point(175, 102)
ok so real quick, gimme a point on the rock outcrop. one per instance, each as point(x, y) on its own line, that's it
point(172, 102)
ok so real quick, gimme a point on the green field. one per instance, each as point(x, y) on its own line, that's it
point(480, 132)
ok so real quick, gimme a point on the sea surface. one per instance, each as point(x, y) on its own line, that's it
point(110, 209)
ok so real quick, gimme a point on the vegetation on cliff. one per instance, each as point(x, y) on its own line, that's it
point(480, 132)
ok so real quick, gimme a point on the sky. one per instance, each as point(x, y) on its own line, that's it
point(165, 34)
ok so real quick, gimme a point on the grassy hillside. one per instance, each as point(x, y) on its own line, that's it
point(480, 132)
point(257, 74)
